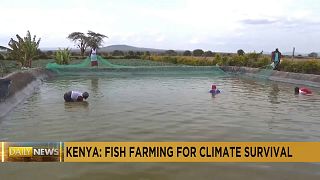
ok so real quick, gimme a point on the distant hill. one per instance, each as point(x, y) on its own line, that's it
point(127, 48)
point(124, 48)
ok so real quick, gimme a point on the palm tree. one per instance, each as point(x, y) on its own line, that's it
point(24, 49)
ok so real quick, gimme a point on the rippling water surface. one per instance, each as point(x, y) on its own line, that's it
point(162, 108)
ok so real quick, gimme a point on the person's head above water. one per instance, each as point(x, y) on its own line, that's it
point(85, 95)
point(214, 89)
point(302, 90)
point(296, 90)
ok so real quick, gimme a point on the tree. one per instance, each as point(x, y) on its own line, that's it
point(171, 52)
point(24, 49)
point(208, 54)
point(313, 54)
point(131, 53)
point(147, 53)
point(198, 52)
point(83, 41)
point(187, 53)
point(138, 53)
point(117, 53)
point(240, 52)
point(95, 40)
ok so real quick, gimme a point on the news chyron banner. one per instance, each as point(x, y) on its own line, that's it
point(160, 151)
point(31, 151)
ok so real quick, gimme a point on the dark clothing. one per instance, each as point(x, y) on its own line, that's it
point(67, 97)
point(276, 58)
point(4, 88)
point(273, 56)
point(94, 63)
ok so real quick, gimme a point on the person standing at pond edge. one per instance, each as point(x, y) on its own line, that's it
point(93, 56)
point(275, 58)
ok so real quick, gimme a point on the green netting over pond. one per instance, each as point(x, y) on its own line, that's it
point(140, 62)
point(131, 67)
point(265, 73)
point(86, 63)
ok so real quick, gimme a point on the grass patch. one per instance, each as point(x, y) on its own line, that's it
point(254, 60)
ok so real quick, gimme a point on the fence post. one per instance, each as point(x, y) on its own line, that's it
point(293, 53)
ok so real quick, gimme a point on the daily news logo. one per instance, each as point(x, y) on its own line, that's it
point(16, 152)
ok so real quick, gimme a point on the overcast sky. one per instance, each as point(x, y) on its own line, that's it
point(216, 25)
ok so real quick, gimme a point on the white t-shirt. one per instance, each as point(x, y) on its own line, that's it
point(94, 52)
point(75, 95)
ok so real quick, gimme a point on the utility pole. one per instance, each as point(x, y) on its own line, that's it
point(293, 53)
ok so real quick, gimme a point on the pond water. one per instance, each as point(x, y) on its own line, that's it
point(164, 108)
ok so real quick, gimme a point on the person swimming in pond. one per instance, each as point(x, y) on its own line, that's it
point(302, 90)
point(75, 96)
point(214, 90)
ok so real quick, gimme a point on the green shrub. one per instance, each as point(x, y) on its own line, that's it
point(63, 56)
point(261, 62)
point(254, 56)
point(310, 67)
point(238, 60)
point(225, 61)
point(289, 66)
point(248, 60)
point(218, 59)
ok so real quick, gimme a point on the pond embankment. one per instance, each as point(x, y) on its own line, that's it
point(280, 76)
point(15, 87)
